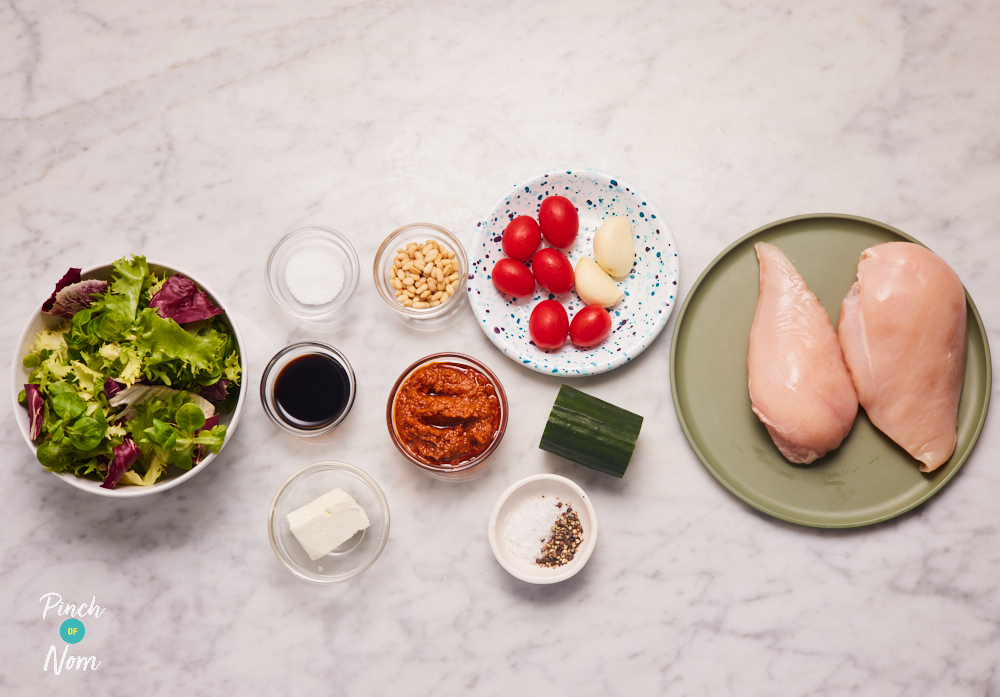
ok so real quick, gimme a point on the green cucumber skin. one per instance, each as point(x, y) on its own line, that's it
point(591, 432)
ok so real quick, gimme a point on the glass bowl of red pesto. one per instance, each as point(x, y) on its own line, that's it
point(447, 414)
point(421, 271)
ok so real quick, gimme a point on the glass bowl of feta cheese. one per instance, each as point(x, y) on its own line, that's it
point(328, 522)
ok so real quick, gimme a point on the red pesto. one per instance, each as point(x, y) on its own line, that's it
point(447, 413)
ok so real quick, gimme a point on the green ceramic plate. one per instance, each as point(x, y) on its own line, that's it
point(869, 478)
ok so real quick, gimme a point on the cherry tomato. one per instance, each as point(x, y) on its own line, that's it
point(553, 271)
point(513, 278)
point(590, 326)
point(548, 324)
point(521, 238)
point(558, 220)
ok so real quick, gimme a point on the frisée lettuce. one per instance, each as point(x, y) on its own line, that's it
point(123, 338)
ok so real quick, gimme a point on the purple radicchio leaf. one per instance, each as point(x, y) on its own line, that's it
point(199, 451)
point(216, 393)
point(76, 297)
point(71, 276)
point(125, 455)
point(35, 410)
point(210, 423)
point(180, 300)
point(112, 387)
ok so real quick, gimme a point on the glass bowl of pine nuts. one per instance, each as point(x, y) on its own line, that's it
point(420, 271)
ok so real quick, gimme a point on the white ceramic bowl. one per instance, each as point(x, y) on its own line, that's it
point(547, 485)
point(19, 376)
point(353, 557)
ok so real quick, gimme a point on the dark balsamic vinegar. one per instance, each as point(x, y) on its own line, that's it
point(311, 391)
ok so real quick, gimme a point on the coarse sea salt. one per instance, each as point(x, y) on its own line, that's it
point(530, 524)
point(314, 276)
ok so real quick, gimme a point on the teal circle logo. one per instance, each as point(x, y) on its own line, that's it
point(72, 631)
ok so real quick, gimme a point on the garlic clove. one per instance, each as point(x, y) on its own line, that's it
point(594, 286)
point(613, 248)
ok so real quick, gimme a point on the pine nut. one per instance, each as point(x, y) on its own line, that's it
point(423, 274)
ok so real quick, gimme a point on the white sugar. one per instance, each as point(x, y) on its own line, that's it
point(530, 525)
point(314, 276)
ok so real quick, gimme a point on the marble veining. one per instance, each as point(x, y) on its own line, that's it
point(199, 133)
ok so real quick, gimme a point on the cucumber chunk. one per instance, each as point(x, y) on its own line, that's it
point(591, 432)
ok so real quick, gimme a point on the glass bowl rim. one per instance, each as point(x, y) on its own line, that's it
point(330, 465)
point(389, 242)
point(265, 397)
point(437, 358)
point(351, 274)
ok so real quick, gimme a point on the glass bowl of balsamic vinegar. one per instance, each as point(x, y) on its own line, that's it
point(308, 389)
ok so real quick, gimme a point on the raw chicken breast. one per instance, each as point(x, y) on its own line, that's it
point(799, 385)
point(902, 328)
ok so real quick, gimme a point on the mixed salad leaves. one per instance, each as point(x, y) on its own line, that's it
point(133, 380)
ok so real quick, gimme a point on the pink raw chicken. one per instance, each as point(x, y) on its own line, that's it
point(902, 328)
point(799, 385)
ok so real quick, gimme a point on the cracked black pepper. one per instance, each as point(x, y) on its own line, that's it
point(567, 534)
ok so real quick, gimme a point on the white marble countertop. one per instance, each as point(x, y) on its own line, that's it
point(199, 133)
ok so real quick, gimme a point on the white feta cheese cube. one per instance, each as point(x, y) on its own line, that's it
point(326, 523)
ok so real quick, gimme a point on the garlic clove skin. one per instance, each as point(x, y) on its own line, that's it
point(594, 286)
point(613, 247)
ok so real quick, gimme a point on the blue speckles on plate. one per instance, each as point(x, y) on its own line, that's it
point(639, 317)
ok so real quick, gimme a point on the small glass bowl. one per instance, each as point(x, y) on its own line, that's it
point(468, 469)
point(418, 232)
point(354, 556)
point(314, 238)
point(273, 370)
point(554, 487)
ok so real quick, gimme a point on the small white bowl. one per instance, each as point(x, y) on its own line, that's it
point(548, 485)
point(19, 375)
point(353, 557)
point(312, 238)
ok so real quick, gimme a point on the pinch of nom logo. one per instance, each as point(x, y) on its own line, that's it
point(71, 631)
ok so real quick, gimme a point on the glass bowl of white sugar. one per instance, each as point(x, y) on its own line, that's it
point(543, 529)
point(312, 273)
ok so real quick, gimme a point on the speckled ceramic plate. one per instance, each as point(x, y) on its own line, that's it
point(866, 480)
point(650, 290)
